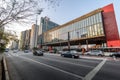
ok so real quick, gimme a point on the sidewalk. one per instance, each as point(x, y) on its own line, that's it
point(1, 55)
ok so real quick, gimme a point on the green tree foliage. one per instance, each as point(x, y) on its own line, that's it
point(3, 40)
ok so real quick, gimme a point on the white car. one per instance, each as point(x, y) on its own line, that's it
point(95, 53)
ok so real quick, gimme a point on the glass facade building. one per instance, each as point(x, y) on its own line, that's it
point(95, 27)
point(87, 27)
point(45, 25)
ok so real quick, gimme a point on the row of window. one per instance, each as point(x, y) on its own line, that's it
point(87, 32)
point(89, 27)
point(97, 18)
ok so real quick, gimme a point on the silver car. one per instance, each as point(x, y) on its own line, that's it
point(95, 53)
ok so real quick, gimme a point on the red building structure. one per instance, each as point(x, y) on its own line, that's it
point(110, 26)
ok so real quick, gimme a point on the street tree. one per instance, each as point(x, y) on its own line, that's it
point(20, 11)
point(12, 11)
point(3, 40)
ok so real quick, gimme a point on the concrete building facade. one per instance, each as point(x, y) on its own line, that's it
point(22, 39)
point(27, 39)
point(45, 25)
point(34, 35)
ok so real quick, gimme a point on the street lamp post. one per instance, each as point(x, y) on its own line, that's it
point(87, 44)
point(69, 41)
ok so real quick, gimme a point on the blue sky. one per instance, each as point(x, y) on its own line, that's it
point(71, 9)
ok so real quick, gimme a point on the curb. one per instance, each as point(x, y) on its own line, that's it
point(5, 69)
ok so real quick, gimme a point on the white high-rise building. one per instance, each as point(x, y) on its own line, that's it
point(34, 34)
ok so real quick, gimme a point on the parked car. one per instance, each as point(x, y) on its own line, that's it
point(37, 52)
point(115, 54)
point(95, 53)
point(26, 51)
point(71, 54)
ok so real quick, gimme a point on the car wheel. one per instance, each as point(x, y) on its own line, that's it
point(99, 55)
point(62, 55)
point(114, 56)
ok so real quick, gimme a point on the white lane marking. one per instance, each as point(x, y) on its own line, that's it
point(16, 54)
point(8, 55)
point(55, 68)
point(68, 62)
point(91, 74)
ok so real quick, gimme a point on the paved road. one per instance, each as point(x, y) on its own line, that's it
point(25, 66)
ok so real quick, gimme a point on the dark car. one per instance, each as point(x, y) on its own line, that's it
point(6, 50)
point(37, 52)
point(71, 54)
point(115, 54)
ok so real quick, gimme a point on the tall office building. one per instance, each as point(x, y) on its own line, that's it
point(34, 35)
point(27, 39)
point(22, 39)
point(45, 25)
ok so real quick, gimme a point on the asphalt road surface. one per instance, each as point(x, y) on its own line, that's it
point(25, 66)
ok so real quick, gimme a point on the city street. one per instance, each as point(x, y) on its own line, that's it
point(25, 66)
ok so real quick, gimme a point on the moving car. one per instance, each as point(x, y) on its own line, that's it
point(71, 54)
point(95, 53)
point(37, 52)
